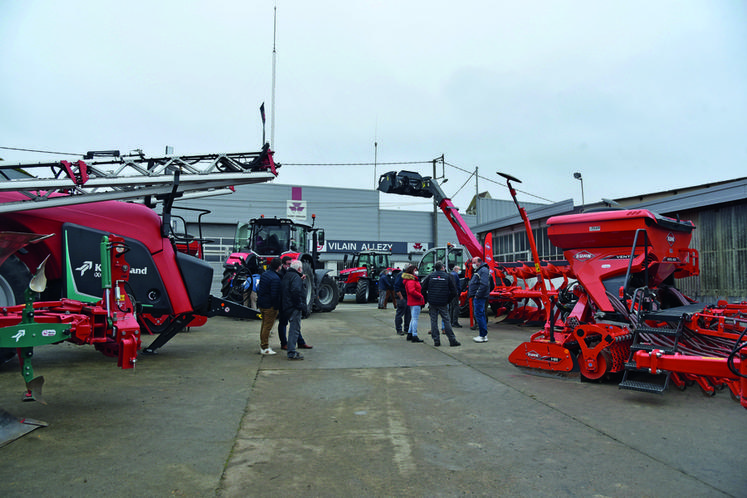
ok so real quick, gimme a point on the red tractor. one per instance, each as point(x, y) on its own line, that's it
point(362, 277)
point(264, 239)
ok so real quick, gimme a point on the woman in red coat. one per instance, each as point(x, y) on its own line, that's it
point(414, 300)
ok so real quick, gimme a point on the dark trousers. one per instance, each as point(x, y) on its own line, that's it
point(402, 313)
point(442, 311)
point(294, 329)
point(454, 311)
point(282, 325)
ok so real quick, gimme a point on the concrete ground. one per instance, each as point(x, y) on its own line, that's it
point(365, 414)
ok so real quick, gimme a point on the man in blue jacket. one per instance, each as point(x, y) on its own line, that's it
point(268, 302)
point(385, 289)
point(400, 300)
point(479, 290)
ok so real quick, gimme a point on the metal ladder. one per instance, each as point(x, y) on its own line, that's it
point(647, 338)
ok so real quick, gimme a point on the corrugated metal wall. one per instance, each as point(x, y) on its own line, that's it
point(353, 214)
point(345, 214)
point(721, 240)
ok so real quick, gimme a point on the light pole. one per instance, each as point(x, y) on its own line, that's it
point(577, 176)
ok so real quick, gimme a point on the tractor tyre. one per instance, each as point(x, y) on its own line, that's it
point(310, 286)
point(361, 291)
point(14, 278)
point(373, 292)
point(327, 295)
point(232, 284)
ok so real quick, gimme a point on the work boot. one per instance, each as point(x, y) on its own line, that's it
point(409, 336)
point(416, 339)
point(436, 342)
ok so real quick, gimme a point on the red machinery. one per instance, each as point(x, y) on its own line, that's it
point(627, 314)
point(362, 276)
point(171, 289)
point(110, 324)
point(527, 303)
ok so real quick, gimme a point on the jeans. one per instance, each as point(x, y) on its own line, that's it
point(402, 313)
point(480, 318)
point(414, 314)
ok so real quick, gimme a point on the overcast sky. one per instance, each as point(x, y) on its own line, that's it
point(637, 96)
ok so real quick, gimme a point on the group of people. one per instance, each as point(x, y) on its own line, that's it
point(281, 294)
point(441, 291)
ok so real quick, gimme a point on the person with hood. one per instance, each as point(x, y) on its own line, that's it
point(293, 305)
point(439, 289)
point(415, 300)
point(479, 290)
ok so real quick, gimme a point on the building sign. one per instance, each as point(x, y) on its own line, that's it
point(295, 210)
point(351, 246)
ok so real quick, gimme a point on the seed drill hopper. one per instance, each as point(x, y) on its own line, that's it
point(624, 311)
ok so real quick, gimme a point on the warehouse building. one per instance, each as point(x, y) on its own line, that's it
point(354, 220)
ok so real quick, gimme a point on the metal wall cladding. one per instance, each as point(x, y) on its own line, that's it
point(721, 240)
point(345, 214)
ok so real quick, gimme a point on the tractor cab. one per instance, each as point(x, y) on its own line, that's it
point(449, 255)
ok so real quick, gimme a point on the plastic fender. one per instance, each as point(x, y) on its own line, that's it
point(236, 257)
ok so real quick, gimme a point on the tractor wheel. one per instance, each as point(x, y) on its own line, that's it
point(361, 291)
point(327, 294)
point(310, 286)
point(14, 278)
point(373, 292)
point(232, 284)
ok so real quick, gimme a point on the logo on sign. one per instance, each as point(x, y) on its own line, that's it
point(670, 238)
point(296, 210)
point(584, 256)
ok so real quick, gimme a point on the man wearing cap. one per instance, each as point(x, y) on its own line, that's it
point(479, 290)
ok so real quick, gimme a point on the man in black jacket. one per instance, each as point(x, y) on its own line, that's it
point(283, 320)
point(293, 305)
point(439, 290)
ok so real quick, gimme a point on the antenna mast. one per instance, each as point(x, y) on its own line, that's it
point(274, 63)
